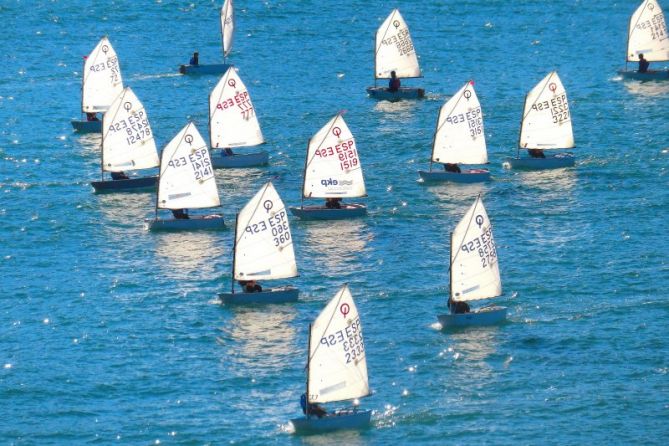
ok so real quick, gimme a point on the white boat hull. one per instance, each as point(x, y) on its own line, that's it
point(403, 93)
point(221, 161)
point(87, 126)
point(550, 162)
point(653, 75)
point(346, 212)
point(189, 224)
point(340, 420)
point(466, 176)
point(269, 296)
point(483, 316)
point(204, 69)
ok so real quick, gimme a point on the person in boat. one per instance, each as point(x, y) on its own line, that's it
point(643, 64)
point(536, 153)
point(90, 117)
point(452, 167)
point(394, 82)
point(250, 286)
point(180, 214)
point(458, 307)
point(195, 59)
point(119, 176)
point(333, 203)
point(228, 152)
point(311, 408)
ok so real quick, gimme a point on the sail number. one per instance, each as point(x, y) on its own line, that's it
point(136, 126)
point(345, 151)
point(473, 119)
point(350, 339)
point(277, 224)
point(558, 107)
point(243, 102)
point(484, 245)
point(402, 40)
point(198, 160)
point(111, 64)
point(656, 25)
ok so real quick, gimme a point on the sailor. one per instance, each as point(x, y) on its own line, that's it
point(91, 117)
point(452, 167)
point(333, 203)
point(313, 408)
point(180, 214)
point(536, 153)
point(119, 176)
point(394, 82)
point(195, 60)
point(643, 64)
point(250, 286)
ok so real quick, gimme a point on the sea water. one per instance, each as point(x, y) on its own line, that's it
point(111, 334)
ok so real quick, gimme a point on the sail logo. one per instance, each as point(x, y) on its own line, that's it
point(333, 182)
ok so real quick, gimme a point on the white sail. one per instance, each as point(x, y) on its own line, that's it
point(264, 245)
point(474, 266)
point(546, 117)
point(186, 174)
point(332, 167)
point(127, 138)
point(394, 49)
point(102, 81)
point(232, 118)
point(648, 34)
point(227, 26)
point(337, 362)
point(459, 137)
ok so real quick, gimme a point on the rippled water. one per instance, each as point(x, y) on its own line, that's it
point(112, 334)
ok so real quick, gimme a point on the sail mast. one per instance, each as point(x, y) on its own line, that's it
point(234, 255)
point(306, 409)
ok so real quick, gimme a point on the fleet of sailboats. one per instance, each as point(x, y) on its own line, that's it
point(647, 36)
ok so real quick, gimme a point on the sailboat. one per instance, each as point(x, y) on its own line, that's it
point(227, 17)
point(474, 271)
point(459, 139)
point(233, 123)
point(263, 250)
point(332, 170)
point(546, 125)
point(394, 52)
point(186, 182)
point(647, 35)
point(127, 144)
point(101, 84)
point(336, 367)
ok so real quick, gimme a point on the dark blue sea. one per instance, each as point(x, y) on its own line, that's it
point(110, 334)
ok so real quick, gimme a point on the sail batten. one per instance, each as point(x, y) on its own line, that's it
point(101, 79)
point(394, 50)
point(227, 26)
point(474, 265)
point(332, 166)
point(264, 245)
point(337, 367)
point(647, 33)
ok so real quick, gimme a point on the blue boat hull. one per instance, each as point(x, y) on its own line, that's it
point(87, 126)
point(204, 69)
point(483, 316)
point(550, 162)
point(132, 185)
point(654, 75)
point(340, 420)
point(270, 296)
point(190, 224)
point(346, 212)
point(403, 93)
point(221, 161)
point(466, 176)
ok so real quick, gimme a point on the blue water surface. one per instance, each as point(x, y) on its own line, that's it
point(110, 334)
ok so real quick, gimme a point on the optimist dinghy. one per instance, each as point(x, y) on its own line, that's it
point(336, 368)
point(394, 51)
point(546, 125)
point(127, 144)
point(233, 123)
point(474, 271)
point(263, 250)
point(227, 18)
point(459, 139)
point(101, 84)
point(647, 35)
point(186, 182)
point(332, 170)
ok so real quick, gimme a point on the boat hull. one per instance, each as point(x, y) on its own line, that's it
point(483, 316)
point(189, 224)
point(271, 296)
point(204, 69)
point(87, 126)
point(383, 93)
point(466, 176)
point(340, 420)
point(654, 75)
point(550, 162)
point(346, 212)
point(221, 161)
point(132, 185)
